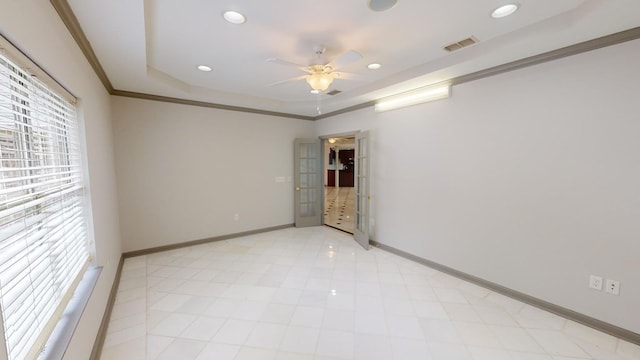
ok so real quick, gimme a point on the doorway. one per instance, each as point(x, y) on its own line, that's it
point(310, 206)
point(339, 176)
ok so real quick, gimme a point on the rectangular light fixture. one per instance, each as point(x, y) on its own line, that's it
point(413, 97)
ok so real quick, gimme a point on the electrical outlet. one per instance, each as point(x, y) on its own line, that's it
point(612, 287)
point(595, 282)
point(236, 217)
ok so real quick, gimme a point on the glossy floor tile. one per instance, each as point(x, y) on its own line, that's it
point(313, 293)
point(339, 208)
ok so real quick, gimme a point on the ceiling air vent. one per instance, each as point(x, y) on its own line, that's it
point(334, 92)
point(460, 44)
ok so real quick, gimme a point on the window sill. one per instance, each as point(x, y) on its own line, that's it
point(59, 340)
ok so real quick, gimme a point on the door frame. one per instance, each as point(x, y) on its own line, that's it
point(325, 138)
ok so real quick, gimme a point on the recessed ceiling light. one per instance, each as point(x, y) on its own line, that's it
point(204, 68)
point(234, 17)
point(315, 91)
point(374, 66)
point(504, 10)
point(381, 5)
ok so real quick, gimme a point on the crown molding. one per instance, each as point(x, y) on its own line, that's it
point(72, 24)
point(174, 100)
point(575, 49)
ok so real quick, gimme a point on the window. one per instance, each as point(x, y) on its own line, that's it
point(44, 247)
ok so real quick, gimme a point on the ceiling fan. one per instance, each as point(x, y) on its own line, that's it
point(320, 73)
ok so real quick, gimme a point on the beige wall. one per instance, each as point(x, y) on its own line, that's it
point(36, 28)
point(529, 179)
point(185, 171)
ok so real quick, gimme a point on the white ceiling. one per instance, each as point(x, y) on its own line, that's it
point(154, 46)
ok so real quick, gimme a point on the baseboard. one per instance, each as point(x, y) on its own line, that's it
point(102, 330)
point(596, 324)
point(202, 241)
point(104, 324)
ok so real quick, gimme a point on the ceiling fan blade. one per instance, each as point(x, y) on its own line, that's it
point(346, 59)
point(287, 63)
point(347, 76)
point(298, 78)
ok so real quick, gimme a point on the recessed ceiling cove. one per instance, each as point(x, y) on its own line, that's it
point(155, 46)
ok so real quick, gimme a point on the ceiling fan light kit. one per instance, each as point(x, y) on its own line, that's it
point(413, 97)
point(320, 77)
point(319, 82)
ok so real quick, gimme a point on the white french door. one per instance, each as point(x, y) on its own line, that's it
point(362, 164)
point(308, 182)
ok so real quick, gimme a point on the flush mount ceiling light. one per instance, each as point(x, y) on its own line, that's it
point(332, 140)
point(504, 10)
point(413, 97)
point(234, 17)
point(204, 68)
point(374, 66)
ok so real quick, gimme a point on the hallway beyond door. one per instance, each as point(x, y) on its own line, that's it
point(339, 208)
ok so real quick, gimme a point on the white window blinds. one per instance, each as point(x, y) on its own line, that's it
point(43, 238)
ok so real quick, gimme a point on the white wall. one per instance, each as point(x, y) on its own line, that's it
point(529, 179)
point(184, 171)
point(35, 27)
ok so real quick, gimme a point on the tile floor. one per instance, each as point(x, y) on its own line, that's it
point(339, 208)
point(313, 293)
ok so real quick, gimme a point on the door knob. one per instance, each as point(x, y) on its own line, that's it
point(297, 188)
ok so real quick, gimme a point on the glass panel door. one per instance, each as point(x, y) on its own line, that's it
point(362, 162)
point(308, 184)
